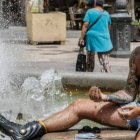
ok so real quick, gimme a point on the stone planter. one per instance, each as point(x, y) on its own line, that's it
point(46, 27)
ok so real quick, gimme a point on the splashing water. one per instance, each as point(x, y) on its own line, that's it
point(6, 89)
point(45, 95)
point(35, 98)
point(12, 13)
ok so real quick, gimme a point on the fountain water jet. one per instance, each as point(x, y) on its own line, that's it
point(45, 95)
point(35, 98)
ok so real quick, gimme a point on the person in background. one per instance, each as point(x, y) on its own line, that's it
point(100, 107)
point(137, 13)
point(97, 37)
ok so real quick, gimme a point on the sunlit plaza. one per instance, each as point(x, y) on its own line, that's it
point(38, 54)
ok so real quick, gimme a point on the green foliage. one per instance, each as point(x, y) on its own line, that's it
point(135, 23)
point(107, 5)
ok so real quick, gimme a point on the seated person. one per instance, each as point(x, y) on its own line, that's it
point(100, 107)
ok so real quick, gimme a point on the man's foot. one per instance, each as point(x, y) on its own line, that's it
point(9, 127)
point(16, 131)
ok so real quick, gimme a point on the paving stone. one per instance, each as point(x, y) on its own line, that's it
point(104, 135)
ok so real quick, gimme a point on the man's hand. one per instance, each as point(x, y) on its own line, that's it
point(96, 95)
point(129, 112)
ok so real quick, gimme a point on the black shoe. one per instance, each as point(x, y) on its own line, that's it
point(96, 130)
point(16, 131)
point(87, 129)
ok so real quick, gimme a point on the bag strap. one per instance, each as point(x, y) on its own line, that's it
point(95, 21)
point(81, 51)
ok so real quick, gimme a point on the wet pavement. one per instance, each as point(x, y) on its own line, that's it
point(38, 58)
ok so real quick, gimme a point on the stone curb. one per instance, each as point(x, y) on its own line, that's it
point(107, 81)
point(102, 80)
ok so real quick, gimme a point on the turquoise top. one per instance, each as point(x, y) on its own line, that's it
point(98, 37)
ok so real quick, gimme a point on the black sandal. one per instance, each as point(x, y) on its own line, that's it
point(96, 130)
point(87, 129)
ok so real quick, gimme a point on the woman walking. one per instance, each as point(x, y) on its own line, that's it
point(97, 37)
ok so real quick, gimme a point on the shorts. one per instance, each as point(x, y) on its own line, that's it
point(134, 123)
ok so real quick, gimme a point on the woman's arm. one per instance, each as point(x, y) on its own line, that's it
point(109, 27)
point(84, 29)
point(85, 24)
point(83, 32)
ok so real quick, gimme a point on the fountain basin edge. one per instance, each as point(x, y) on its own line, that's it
point(109, 81)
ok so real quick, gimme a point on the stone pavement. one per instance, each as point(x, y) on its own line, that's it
point(24, 57)
point(105, 134)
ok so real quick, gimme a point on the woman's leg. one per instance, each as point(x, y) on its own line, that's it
point(102, 112)
point(104, 61)
point(90, 61)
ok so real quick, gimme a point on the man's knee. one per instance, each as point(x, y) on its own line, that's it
point(76, 106)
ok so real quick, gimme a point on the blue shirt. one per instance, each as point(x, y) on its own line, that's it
point(98, 37)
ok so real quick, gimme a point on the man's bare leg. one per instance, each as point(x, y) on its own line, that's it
point(102, 112)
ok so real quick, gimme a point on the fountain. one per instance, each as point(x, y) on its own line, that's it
point(29, 97)
point(121, 31)
point(35, 98)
